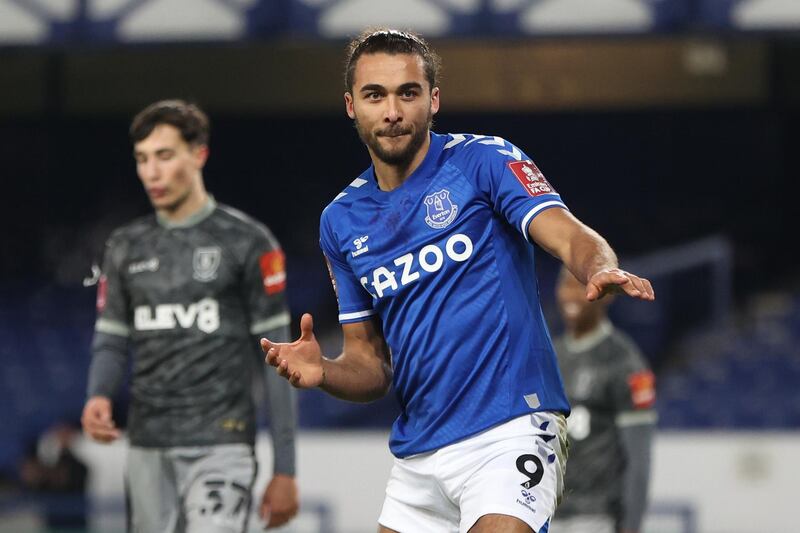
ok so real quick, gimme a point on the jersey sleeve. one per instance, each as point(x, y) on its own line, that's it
point(633, 388)
point(355, 303)
point(112, 328)
point(513, 183)
point(113, 315)
point(264, 284)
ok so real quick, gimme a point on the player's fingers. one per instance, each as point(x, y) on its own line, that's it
point(97, 419)
point(264, 511)
point(272, 357)
point(651, 293)
point(103, 434)
point(634, 286)
point(92, 412)
point(97, 424)
point(105, 415)
point(306, 326)
point(645, 288)
point(282, 367)
point(267, 345)
point(592, 292)
point(278, 519)
point(294, 379)
point(604, 283)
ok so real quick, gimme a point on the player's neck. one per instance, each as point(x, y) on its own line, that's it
point(391, 177)
point(589, 329)
point(191, 205)
point(586, 329)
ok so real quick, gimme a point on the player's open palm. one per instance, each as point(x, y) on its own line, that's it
point(300, 361)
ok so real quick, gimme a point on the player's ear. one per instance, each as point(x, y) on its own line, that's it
point(434, 100)
point(201, 155)
point(348, 105)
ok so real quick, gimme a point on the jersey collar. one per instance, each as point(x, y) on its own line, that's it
point(590, 340)
point(193, 219)
point(425, 170)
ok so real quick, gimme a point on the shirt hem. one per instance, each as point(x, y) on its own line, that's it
point(403, 455)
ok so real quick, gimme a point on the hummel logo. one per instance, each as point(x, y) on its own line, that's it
point(358, 244)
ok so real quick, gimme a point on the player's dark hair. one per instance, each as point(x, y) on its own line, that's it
point(389, 41)
point(186, 117)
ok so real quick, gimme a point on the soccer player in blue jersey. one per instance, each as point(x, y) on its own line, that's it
point(430, 251)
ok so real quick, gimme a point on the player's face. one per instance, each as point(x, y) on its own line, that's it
point(578, 313)
point(169, 167)
point(392, 105)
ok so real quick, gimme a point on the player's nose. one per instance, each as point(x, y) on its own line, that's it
point(393, 112)
point(148, 171)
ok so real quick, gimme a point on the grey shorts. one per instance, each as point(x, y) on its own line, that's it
point(197, 489)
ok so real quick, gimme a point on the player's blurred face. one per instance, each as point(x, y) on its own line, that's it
point(169, 167)
point(392, 105)
point(579, 314)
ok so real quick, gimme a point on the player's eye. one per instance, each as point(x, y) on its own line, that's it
point(166, 155)
point(374, 95)
point(410, 93)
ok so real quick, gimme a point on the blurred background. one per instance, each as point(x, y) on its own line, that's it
point(667, 125)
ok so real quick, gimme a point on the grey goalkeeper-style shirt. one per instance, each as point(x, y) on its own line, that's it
point(611, 391)
point(190, 301)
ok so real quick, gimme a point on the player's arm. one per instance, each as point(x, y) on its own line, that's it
point(586, 254)
point(280, 501)
point(109, 351)
point(362, 373)
point(282, 409)
point(264, 285)
point(636, 442)
point(634, 395)
point(520, 193)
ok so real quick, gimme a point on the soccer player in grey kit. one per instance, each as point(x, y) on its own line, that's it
point(190, 289)
point(610, 429)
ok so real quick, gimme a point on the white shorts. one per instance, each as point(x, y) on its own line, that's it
point(515, 469)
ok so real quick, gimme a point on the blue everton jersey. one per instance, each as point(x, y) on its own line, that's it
point(445, 261)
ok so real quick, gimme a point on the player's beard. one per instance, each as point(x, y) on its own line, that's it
point(401, 157)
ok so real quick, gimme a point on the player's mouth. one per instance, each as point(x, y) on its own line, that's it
point(392, 133)
point(157, 192)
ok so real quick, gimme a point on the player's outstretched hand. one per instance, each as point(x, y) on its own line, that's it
point(96, 420)
point(280, 502)
point(617, 281)
point(300, 361)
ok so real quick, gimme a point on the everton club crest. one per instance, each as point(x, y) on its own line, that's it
point(441, 211)
point(206, 262)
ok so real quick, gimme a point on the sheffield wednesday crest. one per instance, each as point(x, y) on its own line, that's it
point(206, 262)
point(440, 210)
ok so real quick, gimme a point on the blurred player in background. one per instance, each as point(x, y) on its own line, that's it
point(612, 393)
point(190, 289)
point(430, 254)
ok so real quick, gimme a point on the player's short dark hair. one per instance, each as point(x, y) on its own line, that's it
point(186, 117)
point(389, 41)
